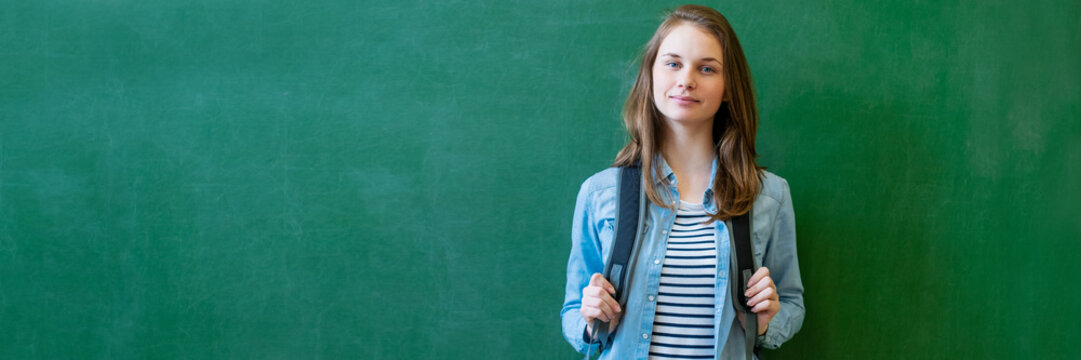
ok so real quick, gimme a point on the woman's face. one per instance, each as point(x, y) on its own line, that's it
point(688, 86)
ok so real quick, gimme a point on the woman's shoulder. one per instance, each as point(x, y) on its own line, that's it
point(602, 180)
point(773, 186)
point(598, 194)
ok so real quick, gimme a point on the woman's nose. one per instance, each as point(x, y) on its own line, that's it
point(686, 81)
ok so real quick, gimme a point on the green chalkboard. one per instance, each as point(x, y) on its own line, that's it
point(395, 179)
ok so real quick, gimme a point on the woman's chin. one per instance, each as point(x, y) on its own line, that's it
point(688, 118)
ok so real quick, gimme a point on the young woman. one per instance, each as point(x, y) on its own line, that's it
point(692, 120)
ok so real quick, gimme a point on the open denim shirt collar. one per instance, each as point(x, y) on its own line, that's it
point(670, 178)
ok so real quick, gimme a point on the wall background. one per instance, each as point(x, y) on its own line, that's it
point(395, 179)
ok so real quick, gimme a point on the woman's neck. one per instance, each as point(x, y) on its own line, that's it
point(689, 152)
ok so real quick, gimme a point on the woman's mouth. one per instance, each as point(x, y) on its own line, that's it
point(683, 100)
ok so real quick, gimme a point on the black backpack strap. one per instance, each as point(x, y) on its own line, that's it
point(745, 268)
point(629, 219)
point(628, 213)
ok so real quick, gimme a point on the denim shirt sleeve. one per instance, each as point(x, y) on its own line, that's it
point(586, 256)
point(780, 257)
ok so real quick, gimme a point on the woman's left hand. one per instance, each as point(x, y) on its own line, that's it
point(762, 298)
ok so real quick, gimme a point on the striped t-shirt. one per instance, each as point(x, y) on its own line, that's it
point(683, 324)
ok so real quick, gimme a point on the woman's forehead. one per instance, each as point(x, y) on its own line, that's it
point(690, 41)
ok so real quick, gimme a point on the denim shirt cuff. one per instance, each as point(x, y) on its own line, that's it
point(769, 339)
point(583, 342)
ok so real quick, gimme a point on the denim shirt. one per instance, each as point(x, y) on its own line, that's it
point(774, 243)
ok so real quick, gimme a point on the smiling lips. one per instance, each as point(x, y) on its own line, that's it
point(683, 100)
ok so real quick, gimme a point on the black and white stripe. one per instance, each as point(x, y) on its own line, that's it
point(683, 323)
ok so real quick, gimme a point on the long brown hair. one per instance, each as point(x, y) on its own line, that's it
point(737, 180)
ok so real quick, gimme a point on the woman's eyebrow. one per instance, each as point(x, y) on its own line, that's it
point(708, 59)
point(705, 59)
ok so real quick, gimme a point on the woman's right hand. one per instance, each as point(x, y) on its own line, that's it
point(597, 303)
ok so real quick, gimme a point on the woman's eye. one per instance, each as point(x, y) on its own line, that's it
point(672, 65)
point(708, 70)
